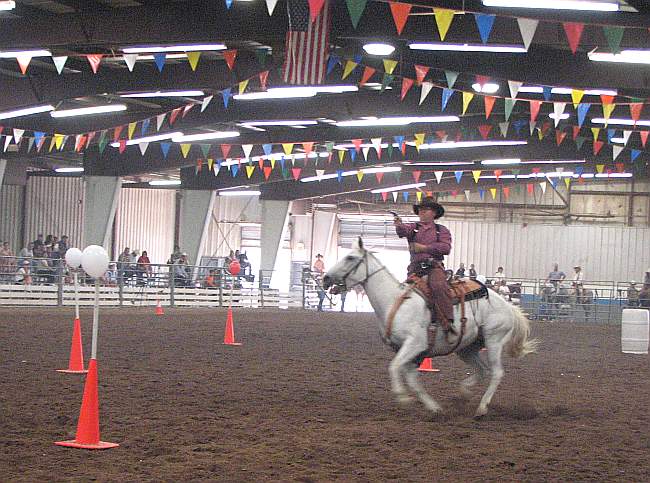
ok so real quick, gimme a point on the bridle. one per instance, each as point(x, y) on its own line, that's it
point(362, 282)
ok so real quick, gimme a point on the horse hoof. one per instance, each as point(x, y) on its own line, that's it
point(405, 399)
point(480, 414)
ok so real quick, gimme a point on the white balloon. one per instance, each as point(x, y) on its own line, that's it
point(95, 261)
point(73, 257)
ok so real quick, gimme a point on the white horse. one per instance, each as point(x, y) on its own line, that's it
point(491, 322)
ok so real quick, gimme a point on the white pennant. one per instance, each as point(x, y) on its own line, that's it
point(160, 118)
point(531, 125)
point(543, 186)
point(376, 143)
point(527, 27)
point(129, 60)
point(206, 102)
point(247, 150)
point(270, 5)
point(626, 136)
point(59, 62)
point(143, 147)
point(467, 192)
point(319, 173)
point(616, 150)
point(30, 144)
point(7, 141)
point(438, 175)
point(426, 88)
point(18, 135)
point(503, 127)
point(558, 110)
point(65, 140)
point(365, 151)
point(394, 193)
point(514, 87)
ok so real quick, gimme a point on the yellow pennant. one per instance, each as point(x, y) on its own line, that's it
point(288, 147)
point(341, 156)
point(443, 21)
point(567, 182)
point(419, 140)
point(477, 175)
point(467, 98)
point(389, 65)
point(540, 134)
point(185, 149)
point(359, 175)
point(58, 139)
point(595, 131)
point(210, 164)
point(193, 59)
point(349, 67)
point(607, 111)
point(493, 192)
point(576, 96)
point(418, 195)
point(272, 163)
point(249, 171)
point(600, 168)
point(242, 86)
point(132, 129)
point(52, 142)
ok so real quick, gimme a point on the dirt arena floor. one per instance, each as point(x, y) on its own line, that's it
point(307, 398)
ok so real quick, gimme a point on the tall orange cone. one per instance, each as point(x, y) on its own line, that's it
point(159, 309)
point(87, 436)
point(76, 364)
point(229, 336)
point(427, 366)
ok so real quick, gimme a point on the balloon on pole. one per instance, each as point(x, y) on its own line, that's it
point(95, 261)
point(73, 257)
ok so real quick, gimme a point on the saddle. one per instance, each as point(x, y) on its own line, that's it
point(460, 291)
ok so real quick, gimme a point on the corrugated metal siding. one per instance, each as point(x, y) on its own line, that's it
point(11, 215)
point(145, 221)
point(224, 232)
point(603, 252)
point(54, 206)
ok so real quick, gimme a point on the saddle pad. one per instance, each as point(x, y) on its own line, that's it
point(471, 288)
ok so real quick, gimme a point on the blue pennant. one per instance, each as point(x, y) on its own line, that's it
point(582, 113)
point(38, 135)
point(332, 62)
point(459, 175)
point(484, 23)
point(268, 148)
point(635, 154)
point(446, 95)
point(353, 154)
point(164, 147)
point(579, 170)
point(398, 140)
point(145, 126)
point(610, 134)
point(547, 93)
point(228, 4)
point(481, 193)
point(234, 169)
point(553, 182)
point(339, 175)
point(405, 195)
point(282, 163)
point(226, 96)
point(159, 59)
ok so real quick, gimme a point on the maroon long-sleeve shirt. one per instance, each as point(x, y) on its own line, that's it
point(438, 242)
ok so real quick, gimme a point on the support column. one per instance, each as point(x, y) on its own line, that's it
point(3, 165)
point(275, 215)
point(101, 194)
point(195, 215)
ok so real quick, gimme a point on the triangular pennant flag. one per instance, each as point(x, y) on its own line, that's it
point(332, 62)
point(187, 109)
point(467, 98)
point(205, 149)
point(384, 195)
point(514, 87)
point(164, 147)
point(444, 18)
point(559, 137)
point(527, 28)
point(508, 105)
point(405, 196)
point(426, 88)
point(357, 144)
point(260, 162)
point(122, 147)
point(477, 175)
point(288, 148)
point(379, 175)
point(376, 143)
point(295, 172)
point(582, 113)
point(359, 175)
point(598, 146)
point(573, 32)
point(614, 35)
point(626, 136)
point(94, 60)
point(7, 142)
point(367, 74)
point(395, 194)
point(131, 129)
point(349, 67)
point(230, 56)
point(103, 141)
point(481, 193)
point(600, 168)
point(485, 129)
point(467, 194)
point(406, 85)
point(193, 59)
point(493, 192)
point(580, 140)
point(226, 96)
point(247, 148)
point(644, 137)
point(341, 155)
point(635, 111)
point(567, 182)
point(530, 187)
point(339, 175)
point(185, 149)
point(160, 118)
point(458, 175)
point(174, 114)
point(446, 95)
point(116, 132)
point(355, 9)
point(210, 164)
point(438, 175)
point(576, 131)
point(23, 62)
point(145, 126)
point(451, 78)
point(242, 86)
point(418, 196)
point(315, 7)
point(506, 191)
point(270, 6)
point(263, 76)
point(419, 140)
point(18, 135)
point(249, 171)
point(542, 185)
point(534, 109)
point(400, 13)
point(159, 59)
point(484, 23)
point(616, 151)
point(489, 104)
point(365, 151)
point(59, 63)
point(595, 131)
point(308, 147)
point(416, 175)
point(129, 60)
point(386, 81)
point(576, 96)
point(546, 92)
point(558, 110)
point(498, 173)
point(143, 147)
point(610, 134)
point(205, 102)
point(531, 126)
point(634, 153)
point(553, 182)
point(30, 143)
point(420, 73)
point(389, 65)
point(267, 172)
point(607, 111)
point(234, 169)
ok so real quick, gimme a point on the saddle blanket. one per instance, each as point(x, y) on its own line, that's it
point(458, 289)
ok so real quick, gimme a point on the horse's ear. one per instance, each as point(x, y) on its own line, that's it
point(360, 244)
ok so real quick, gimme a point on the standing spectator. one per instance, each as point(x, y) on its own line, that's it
point(460, 273)
point(229, 259)
point(181, 271)
point(39, 241)
point(319, 268)
point(555, 276)
point(632, 295)
point(7, 262)
point(319, 265)
point(211, 279)
point(578, 278)
point(472, 272)
point(176, 254)
point(243, 262)
point(124, 265)
point(27, 253)
point(143, 266)
point(63, 246)
point(23, 275)
point(499, 276)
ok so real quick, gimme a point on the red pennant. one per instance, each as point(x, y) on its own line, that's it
point(225, 150)
point(430, 194)
point(620, 167)
point(489, 104)
point(573, 32)
point(485, 129)
point(122, 145)
point(482, 79)
point(263, 77)
point(598, 145)
point(406, 85)
point(536, 170)
point(581, 179)
point(357, 144)
point(367, 74)
point(296, 173)
point(23, 63)
point(315, 6)
point(186, 109)
point(384, 195)
point(267, 172)
point(643, 134)
point(506, 192)
point(117, 132)
point(635, 110)
point(559, 137)
point(498, 173)
point(199, 165)
point(260, 163)
point(534, 109)
point(174, 115)
point(82, 142)
point(576, 131)
point(416, 175)
point(308, 147)
point(94, 60)
point(530, 188)
point(379, 176)
point(454, 193)
point(606, 99)
point(400, 13)
point(420, 73)
point(230, 56)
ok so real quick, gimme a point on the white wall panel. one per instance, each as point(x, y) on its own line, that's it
point(11, 215)
point(54, 205)
point(145, 221)
point(224, 232)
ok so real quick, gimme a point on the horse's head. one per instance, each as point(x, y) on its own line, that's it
point(346, 273)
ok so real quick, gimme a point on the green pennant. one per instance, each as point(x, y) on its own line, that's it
point(261, 55)
point(509, 103)
point(516, 172)
point(386, 81)
point(205, 149)
point(390, 149)
point(451, 78)
point(329, 146)
point(102, 142)
point(614, 35)
point(580, 140)
point(285, 173)
point(637, 99)
point(356, 8)
point(517, 190)
point(398, 176)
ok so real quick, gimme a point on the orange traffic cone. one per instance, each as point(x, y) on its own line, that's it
point(159, 309)
point(87, 436)
point(427, 366)
point(229, 336)
point(76, 364)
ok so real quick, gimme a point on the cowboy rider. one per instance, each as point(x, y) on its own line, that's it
point(429, 242)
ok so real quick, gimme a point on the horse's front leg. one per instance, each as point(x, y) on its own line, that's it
point(413, 380)
point(398, 367)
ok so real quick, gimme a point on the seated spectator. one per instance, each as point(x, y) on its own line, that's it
point(44, 270)
point(472, 272)
point(63, 246)
point(499, 276)
point(23, 275)
point(143, 265)
point(181, 272)
point(211, 279)
point(633, 295)
point(110, 277)
point(7, 262)
point(229, 259)
point(644, 296)
point(503, 290)
point(39, 241)
point(243, 262)
point(460, 273)
point(176, 254)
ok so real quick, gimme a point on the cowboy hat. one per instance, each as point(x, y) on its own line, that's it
point(319, 256)
point(430, 203)
point(577, 266)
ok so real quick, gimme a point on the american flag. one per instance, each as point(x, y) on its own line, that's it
point(307, 44)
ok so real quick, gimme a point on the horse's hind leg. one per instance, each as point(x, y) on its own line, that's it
point(470, 355)
point(413, 380)
point(398, 367)
point(494, 350)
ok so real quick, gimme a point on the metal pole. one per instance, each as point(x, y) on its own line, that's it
point(93, 354)
point(76, 294)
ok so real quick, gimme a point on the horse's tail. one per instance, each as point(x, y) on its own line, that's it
point(520, 344)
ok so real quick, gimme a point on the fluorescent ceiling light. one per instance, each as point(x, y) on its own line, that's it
point(165, 94)
point(173, 48)
point(618, 140)
point(25, 53)
point(295, 92)
point(7, 5)
point(614, 175)
point(379, 49)
point(516, 49)
point(28, 111)
point(165, 182)
point(277, 123)
point(182, 138)
point(624, 122)
point(440, 163)
point(376, 86)
point(240, 193)
point(167, 57)
point(85, 111)
point(568, 91)
point(488, 88)
point(399, 188)
point(470, 144)
point(564, 115)
point(395, 121)
point(552, 161)
point(70, 170)
point(489, 162)
point(626, 56)
point(386, 169)
point(149, 139)
point(555, 5)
